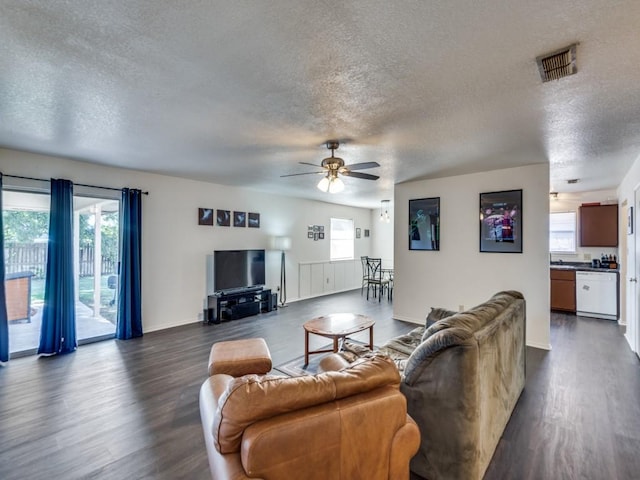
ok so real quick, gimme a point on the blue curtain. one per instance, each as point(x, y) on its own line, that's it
point(129, 324)
point(58, 331)
point(4, 325)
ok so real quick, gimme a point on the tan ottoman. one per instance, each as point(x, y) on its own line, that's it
point(240, 357)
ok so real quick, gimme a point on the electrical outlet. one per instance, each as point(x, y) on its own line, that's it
point(200, 317)
point(461, 308)
point(587, 257)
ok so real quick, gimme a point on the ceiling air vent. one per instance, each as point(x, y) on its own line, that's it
point(558, 64)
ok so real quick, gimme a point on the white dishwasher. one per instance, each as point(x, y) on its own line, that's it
point(597, 294)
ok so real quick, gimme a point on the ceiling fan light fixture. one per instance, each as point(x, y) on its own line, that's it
point(333, 167)
point(336, 185)
point(323, 184)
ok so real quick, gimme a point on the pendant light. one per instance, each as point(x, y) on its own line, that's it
point(384, 211)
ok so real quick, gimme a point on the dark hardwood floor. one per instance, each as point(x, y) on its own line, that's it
point(127, 410)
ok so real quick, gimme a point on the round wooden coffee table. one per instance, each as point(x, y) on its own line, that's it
point(336, 326)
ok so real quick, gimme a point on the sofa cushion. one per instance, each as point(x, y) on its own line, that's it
point(252, 398)
point(406, 343)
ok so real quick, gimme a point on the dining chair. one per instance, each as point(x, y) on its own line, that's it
point(376, 280)
point(388, 273)
point(365, 272)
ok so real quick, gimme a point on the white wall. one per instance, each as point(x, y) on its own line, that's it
point(175, 246)
point(382, 237)
point(626, 191)
point(458, 274)
point(570, 202)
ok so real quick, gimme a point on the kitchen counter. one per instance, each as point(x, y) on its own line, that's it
point(580, 266)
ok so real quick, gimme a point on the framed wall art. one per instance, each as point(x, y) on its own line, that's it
point(205, 216)
point(223, 218)
point(424, 224)
point(239, 219)
point(630, 220)
point(254, 220)
point(358, 233)
point(501, 221)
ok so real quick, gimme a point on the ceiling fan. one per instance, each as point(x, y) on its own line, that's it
point(333, 166)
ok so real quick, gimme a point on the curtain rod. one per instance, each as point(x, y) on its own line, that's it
point(78, 184)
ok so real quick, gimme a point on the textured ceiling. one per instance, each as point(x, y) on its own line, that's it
point(239, 92)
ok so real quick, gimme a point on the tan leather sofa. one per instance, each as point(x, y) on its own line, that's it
point(351, 424)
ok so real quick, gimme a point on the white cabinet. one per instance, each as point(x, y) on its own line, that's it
point(317, 279)
point(321, 278)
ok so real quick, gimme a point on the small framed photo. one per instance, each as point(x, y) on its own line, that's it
point(309, 228)
point(223, 218)
point(321, 235)
point(630, 220)
point(254, 220)
point(316, 235)
point(316, 228)
point(321, 228)
point(366, 232)
point(310, 234)
point(205, 216)
point(239, 219)
point(501, 221)
point(358, 232)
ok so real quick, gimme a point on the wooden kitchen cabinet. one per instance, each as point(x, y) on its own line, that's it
point(599, 225)
point(563, 290)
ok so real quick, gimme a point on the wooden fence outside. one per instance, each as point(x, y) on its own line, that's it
point(32, 257)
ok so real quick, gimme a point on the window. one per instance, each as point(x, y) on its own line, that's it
point(341, 239)
point(562, 232)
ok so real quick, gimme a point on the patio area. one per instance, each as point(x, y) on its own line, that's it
point(24, 336)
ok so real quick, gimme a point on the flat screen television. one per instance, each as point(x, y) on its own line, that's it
point(234, 269)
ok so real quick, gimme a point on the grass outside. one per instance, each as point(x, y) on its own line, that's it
point(107, 311)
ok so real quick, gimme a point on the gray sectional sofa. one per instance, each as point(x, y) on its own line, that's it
point(462, 375)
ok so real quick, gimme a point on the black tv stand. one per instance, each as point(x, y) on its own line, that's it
point(239, 303)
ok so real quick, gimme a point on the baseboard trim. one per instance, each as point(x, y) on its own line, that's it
point(324, 294)
point(541, 346)
point(409, 319)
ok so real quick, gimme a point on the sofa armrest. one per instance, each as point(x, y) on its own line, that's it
point(433, 346)
point(405, 445)
point(223, 466)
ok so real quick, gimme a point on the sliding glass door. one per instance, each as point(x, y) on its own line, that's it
point(26, 232)
point(96, 267)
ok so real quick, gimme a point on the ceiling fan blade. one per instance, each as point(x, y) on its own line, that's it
point(362, 166)
point(305, 173)
point(364, 176)
point(312, 164)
